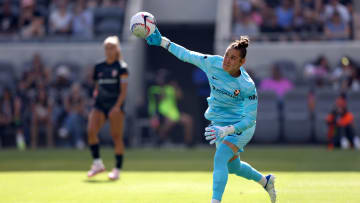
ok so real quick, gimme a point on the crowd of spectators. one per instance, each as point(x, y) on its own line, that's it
point(293, 20)
point(343, 78)
point(79, 19)
point(46, 104)
point(319, 75)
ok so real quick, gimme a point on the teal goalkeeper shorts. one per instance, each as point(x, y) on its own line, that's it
point(240, 140)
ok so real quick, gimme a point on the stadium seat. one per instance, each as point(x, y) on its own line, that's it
point(353, 99)
point(297, 117)
point(325, 102)
point(288, 69)
point(267, 125)
point(7, 75)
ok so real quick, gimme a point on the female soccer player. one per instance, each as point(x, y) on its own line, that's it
point(232, 110)
point(110, 77)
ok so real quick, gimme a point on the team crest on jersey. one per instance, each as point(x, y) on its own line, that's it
point(114, 73)
point(236, 92)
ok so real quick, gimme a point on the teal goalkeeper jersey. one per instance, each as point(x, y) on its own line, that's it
point(232, 100)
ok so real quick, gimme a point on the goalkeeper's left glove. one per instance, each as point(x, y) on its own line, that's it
point(157, 40)
point(214, 133)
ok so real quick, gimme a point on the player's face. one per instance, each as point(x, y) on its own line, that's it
point(232, 60)
point(111, 51)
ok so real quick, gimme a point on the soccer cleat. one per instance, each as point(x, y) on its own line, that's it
point(114, 174)
point(270, 187)
point(96, 168)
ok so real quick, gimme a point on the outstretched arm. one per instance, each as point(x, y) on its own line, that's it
point(200, 60)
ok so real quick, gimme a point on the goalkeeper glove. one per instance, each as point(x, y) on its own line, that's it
point(155, 39)
point(214, 133)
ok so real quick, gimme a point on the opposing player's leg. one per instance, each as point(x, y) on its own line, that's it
point(96, 121)
point(116, 128)
point(220, 175)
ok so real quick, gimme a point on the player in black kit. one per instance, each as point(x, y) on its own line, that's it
point(110, 79)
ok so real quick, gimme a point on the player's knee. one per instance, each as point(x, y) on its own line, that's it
point(116, 135)
point(219, 159)
point(231, 170)
point(91, 132)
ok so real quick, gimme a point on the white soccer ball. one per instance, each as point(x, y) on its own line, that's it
point(142, 24)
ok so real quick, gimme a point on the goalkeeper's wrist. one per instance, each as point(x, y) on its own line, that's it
point(165, 43)
point(230, 129)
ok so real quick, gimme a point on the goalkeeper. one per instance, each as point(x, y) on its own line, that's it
point(232, 110)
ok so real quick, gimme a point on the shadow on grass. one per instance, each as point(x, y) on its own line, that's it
point(92, 181)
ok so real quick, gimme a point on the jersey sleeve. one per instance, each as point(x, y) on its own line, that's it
point(249, 113)
point(123, 71)
point(198, 59)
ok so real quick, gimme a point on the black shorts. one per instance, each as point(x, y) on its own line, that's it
point(106, 106)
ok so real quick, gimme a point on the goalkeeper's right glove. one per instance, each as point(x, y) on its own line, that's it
point(156, 39)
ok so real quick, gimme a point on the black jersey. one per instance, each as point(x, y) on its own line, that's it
point(107, 76)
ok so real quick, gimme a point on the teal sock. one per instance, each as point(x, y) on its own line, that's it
point(220, 175)
point(243, 169)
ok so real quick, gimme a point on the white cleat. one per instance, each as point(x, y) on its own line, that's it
point(270, 187)
point(114, 174)
point(96, 168)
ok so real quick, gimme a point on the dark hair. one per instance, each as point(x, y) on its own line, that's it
point(241, 45)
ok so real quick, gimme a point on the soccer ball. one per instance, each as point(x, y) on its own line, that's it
point(142, 24)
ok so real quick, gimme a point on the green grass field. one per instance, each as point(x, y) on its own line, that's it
point(304, 174)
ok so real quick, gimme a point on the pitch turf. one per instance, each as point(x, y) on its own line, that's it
point(303, 175)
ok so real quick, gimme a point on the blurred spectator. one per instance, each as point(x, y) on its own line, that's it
point(240, 6)
point(37, 72)
point(277, 83)
point(91, 4)
point(335, 29)
point(353, 15)
point(74, 123)
point(41, 117)
point(22, 114)
point(109, 17)
point(60, 19)
point(164, 111)
point(280, 86)
point(334, 6)
point(313, 25)
point(318, 73)
point(285, 14)
point(7, 110)
point(346, 77)
point(299, 20)
point(113, 3)
point(31, 22)
point(8, 19)
point(59, 89)
point(82, 23)
point(341, 131)
point(245, 26)
point(88, 86)
point(270, 26)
